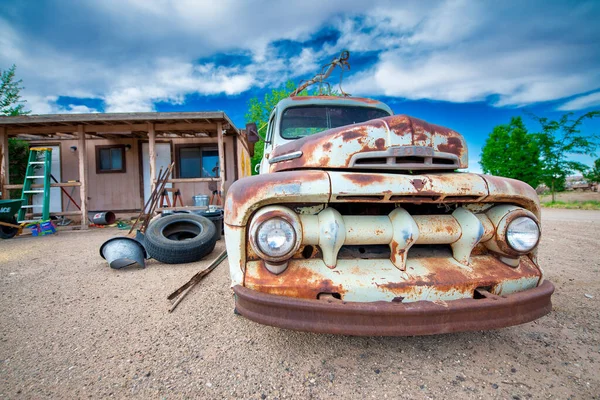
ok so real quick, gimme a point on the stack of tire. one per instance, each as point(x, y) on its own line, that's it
point(180, 238)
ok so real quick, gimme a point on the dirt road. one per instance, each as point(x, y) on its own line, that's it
point(73, 328)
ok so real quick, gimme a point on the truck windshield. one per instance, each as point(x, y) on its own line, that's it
point(297, 122)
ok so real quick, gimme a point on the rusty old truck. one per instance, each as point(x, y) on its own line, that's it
point(360, 222)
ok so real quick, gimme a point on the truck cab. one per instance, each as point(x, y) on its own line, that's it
point(300, 116)
point(362, 222)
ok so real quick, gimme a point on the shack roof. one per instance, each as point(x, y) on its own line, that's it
point(111, 123)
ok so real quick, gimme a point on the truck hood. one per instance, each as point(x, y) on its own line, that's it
point(397, 142)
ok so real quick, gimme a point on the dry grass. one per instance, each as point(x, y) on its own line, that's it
point(574, 205)
point(572, 200)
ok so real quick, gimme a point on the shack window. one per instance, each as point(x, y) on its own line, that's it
point(198, 161)
point(110, 159)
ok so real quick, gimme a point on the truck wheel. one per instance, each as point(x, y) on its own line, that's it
point(180, 238)
point(7, 232)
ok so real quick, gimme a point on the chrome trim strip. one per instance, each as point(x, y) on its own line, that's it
point(286, 157)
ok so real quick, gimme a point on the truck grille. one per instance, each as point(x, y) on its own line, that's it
point(331, 231)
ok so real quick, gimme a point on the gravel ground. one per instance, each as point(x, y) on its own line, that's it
point(73, 328)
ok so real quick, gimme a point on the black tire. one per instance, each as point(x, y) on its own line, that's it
point(180, 238)
point(8, 232)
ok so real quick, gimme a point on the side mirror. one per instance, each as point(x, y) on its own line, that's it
point(252, 132)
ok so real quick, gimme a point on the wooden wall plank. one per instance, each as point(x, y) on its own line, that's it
point(82, 176)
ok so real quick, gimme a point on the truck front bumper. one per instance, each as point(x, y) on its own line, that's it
point(382, 318)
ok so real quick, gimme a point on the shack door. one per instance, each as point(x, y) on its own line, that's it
point(163, 159)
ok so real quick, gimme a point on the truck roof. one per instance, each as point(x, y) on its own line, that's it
point(334, 100)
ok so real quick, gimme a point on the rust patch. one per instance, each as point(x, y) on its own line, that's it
point(363, 179)
point(295, 281)
point(454, 146)
point(380, 144)
point(422, 137)
point(447, 279)
point(327, 146)
point(426, 126)
point(418, 183)
point(348, 136)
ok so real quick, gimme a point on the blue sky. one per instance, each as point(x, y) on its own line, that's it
point(468, 65)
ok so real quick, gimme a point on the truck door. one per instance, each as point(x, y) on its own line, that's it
point(264, 163)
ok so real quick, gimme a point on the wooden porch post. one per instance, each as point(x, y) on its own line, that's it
point(221, 157)
point(152, 155)
point(81, 148)
point(4, 162)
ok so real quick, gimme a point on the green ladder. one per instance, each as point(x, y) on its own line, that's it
point(37, 156)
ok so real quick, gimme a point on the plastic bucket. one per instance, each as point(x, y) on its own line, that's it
point(201, 200)
point(216, 217)
point(123, 251)
point(103, 218)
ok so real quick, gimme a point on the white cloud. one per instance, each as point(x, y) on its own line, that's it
point(462, 52)
point(170, 82)
point(582, 102)
point(134, 53)
point(47, 105)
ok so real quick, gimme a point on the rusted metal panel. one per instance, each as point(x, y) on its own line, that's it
point(448, 187)
point(235, 238)
point(506, 190)
point(249, 194)
point(397, 142)
point(425, 278)
point(394, 318)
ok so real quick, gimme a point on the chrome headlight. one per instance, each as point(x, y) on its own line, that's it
point(517, 230)
point(275, 233)
point(276, 237)
point(522, 234)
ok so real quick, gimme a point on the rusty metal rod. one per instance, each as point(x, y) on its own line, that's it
point(342, 61)
point(186, 287)
point(145, 205)
point(155, 200)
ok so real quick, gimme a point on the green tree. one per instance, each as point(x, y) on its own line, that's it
point(10, 93)
point(512, 152)
point(11, 104)
point(259, 112)
point(557, 141)
point(593, 174)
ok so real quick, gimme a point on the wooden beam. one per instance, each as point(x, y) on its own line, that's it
point(221, 149)
point(4, 179)
point(81, 148)
point(96, 128)
point(152, 155)
point(39, 185)
point(66, 136)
